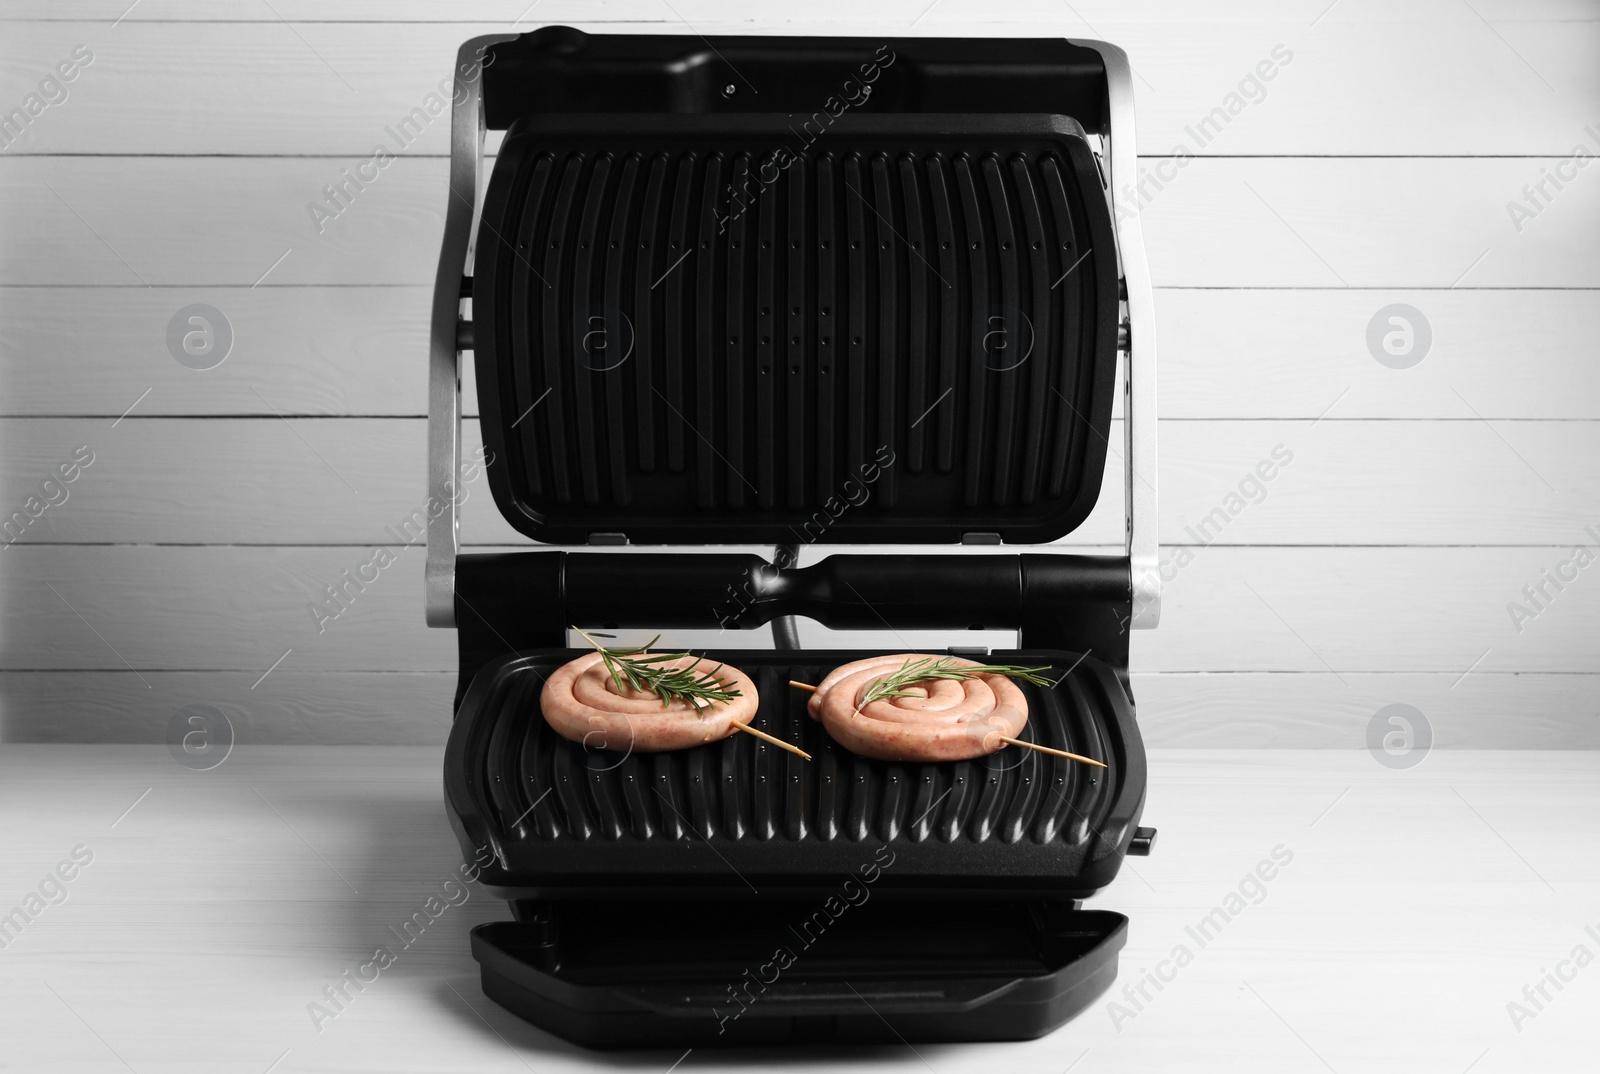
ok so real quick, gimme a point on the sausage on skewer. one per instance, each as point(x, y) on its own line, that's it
point(948, 720)
point(584, 703)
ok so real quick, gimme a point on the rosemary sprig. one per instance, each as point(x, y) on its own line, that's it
point(636, 667)
point(898, 683)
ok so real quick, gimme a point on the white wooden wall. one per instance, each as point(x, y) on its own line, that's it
point(1376, 170)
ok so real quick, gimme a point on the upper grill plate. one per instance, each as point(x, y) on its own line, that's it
point(726, 328)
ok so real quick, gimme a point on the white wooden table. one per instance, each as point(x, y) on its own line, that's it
point(218, 904)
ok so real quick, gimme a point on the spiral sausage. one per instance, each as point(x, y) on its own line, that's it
point(952, 720)
point(582, 702)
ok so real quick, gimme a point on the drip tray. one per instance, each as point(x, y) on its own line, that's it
point(851, 968)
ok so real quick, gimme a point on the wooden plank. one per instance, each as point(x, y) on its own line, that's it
point(328, 708)
point(350, 480)
point(360, 351)
point(501, 12)
point(1328, 610)
point(227, 481)
point(1378, 482)
point(1327, 83)
point(1390, 223)
point(1524, 87)
point(1307, 710)
point(1340, 609)
point(1213, 710)
point(296, 350)
point(1367, 223)
point(891, 15)
point(1281, 354)
point(212, 608)
point(142, 221)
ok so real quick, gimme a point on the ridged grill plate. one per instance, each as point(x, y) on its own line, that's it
point(740, 813)
point(763, 328)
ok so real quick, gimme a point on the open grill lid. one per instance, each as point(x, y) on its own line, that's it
point(839, 309)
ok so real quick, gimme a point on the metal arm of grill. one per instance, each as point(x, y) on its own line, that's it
point(1139, 352)
point(444, 346)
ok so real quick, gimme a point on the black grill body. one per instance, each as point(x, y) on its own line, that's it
point(713, 302)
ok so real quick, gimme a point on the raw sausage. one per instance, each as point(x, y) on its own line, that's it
point(951, 720)
point(583, 703)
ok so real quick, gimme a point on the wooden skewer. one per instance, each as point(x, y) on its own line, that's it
point(1051, 751)
point(806, 686)
point(780, 743)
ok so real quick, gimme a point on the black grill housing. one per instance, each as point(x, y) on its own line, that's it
point(695, 328)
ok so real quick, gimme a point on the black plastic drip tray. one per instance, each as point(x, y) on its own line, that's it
point(617, 974)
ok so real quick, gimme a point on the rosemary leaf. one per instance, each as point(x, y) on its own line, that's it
point(929, 668)
point(636, 668)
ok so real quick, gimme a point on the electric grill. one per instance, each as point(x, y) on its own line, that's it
point(786, 291)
